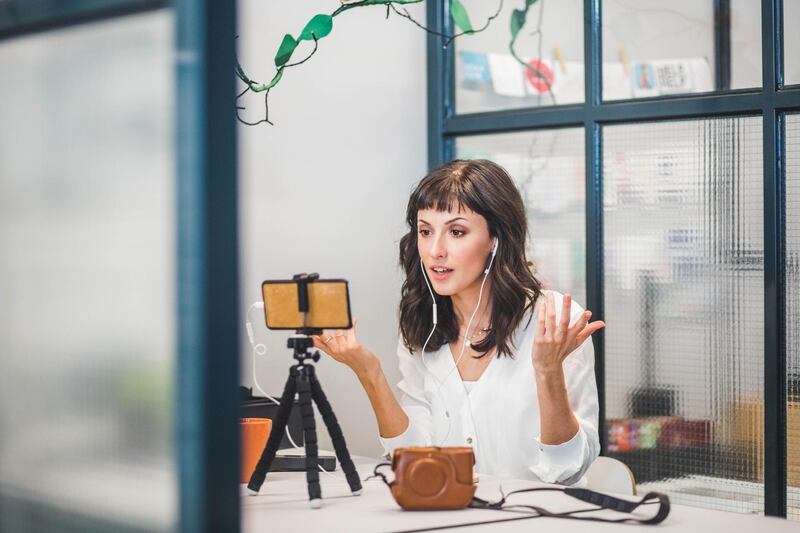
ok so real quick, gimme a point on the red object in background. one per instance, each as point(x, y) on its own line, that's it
point(614, 430)
point(679, 432)
point(621, 436)
point(541, 85)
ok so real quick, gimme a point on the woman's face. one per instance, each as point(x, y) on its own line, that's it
point(459, 242)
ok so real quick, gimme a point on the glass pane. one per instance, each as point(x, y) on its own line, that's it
point(547, 167)
point(791, 42)
point(87, 276)
point(684, 291)
point(545, 68)
point(793, 314)
point(679, 47)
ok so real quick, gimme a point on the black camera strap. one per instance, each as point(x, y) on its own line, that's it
point(375, 473)
point(600, 500)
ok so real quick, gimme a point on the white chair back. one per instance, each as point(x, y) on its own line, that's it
point(606, 474)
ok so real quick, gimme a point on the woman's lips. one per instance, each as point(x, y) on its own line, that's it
point(440, 277)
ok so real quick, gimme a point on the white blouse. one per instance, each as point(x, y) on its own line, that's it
point(499, 414)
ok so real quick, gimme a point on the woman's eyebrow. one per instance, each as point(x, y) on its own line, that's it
point(448, 222)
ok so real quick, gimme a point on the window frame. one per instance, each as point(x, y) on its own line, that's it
point(771, 101)
point(207, 255)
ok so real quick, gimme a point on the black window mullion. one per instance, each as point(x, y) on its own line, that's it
point(448, 148)
point(722, 45)
point(787, 99)
point(516, 120)
point(208, 268)
point(736, 103)
point(593, 87)
point(437, 93)
point(774, 268)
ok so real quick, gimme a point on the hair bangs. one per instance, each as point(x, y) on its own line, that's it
point(447, 193)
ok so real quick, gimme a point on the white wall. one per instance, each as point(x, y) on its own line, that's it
point(325, 189)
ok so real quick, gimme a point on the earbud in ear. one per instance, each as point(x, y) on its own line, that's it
point(494, 252)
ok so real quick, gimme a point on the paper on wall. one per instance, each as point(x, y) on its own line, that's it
point(507, 76)
point(670, 76)
point(616, 84)
point(474, 72)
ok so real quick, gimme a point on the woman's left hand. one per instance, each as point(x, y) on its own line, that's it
point(554, 342)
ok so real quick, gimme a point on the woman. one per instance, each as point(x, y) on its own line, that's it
point(508, 368)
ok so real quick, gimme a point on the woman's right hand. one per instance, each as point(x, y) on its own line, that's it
point(342, 345)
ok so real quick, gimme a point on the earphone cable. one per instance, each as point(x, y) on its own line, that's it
point(463, 346)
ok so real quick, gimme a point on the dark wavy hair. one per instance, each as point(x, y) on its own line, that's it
point(485, 188)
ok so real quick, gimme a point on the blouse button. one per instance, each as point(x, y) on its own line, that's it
point(469, 440)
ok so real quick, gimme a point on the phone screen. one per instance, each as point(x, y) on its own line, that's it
point(328, 304)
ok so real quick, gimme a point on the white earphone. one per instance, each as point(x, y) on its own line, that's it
point(494, 253)
point(466, 333)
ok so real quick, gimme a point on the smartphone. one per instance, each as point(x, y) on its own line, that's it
point(328, 304)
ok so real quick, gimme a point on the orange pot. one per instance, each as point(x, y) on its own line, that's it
point(255, 432)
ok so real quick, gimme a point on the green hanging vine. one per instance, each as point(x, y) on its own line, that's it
point(321, 26)
point(518, 19)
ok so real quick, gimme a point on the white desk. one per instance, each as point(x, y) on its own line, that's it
point(282, 505)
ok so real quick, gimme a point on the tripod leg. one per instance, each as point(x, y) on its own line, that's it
point(337, 437)
point(278, 426)
point(310, 435)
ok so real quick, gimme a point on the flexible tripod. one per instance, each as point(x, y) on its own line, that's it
point(303, 380)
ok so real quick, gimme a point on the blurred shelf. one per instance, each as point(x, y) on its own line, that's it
point(671, 463)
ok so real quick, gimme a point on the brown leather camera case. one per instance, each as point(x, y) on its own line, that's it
point(433, 478)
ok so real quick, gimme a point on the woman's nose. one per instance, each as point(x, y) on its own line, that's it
point(438, 248)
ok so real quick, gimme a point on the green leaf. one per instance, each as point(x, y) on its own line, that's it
point(318, 27)
point(517, 22)
point(518, 17)
point(285, 50)
point(460, 16)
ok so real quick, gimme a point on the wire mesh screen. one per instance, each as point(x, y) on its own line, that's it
point(793, 315)
point(684, 292)
point(547, 167)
